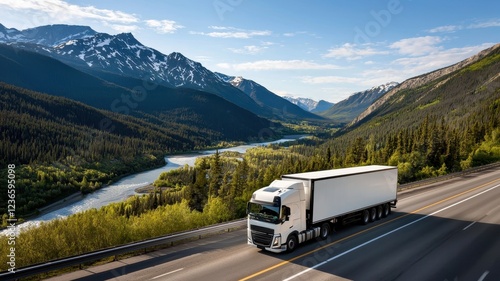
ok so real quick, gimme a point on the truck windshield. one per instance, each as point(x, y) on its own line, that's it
point(263, 212)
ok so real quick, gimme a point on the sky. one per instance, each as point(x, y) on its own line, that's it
point(313, 49)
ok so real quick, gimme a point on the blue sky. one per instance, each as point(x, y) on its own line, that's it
point(316, 49)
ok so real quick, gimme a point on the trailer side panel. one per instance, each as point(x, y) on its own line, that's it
point(341, 195)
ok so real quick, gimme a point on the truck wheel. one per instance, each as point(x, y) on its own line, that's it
point(291, 243)
point(386, 210)
point(379, 212)
point(373, 214)
point(324, 231)
point(365, 217)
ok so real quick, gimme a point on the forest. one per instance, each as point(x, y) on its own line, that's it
point(61, 146)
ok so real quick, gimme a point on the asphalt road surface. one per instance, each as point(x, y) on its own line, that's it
point(445, 231)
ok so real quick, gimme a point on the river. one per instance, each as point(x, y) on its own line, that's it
point(126, 187)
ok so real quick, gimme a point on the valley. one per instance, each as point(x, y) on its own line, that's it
point(80, 110)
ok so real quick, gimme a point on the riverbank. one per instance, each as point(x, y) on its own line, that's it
point(73, 198)
point(126, 186)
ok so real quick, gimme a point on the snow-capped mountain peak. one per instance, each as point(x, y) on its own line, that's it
point(304, 103)
point(236, 81)
point(384, 87)
point(48, 35)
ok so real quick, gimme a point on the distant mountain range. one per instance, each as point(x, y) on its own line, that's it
point(265, 98)
point(49, 35)
point(458, 95)
point(310, 104)
point(113, 57)
point(348, 109)
point(429, 89)
point(96, 68)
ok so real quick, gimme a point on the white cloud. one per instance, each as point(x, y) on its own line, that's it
point(477, 25)
point(47, 11)
point(485, 24)
point(124, 28)
point(249, 50)
point(352, 52)
point(413, 66)
point(329, 79)
point(278, 65)
point(417, 46)
point(220, 27)
point(163, 26)
point(59, 9)
point(234, 34)
point(446, 28)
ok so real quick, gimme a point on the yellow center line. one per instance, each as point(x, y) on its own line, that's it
point(363, 231)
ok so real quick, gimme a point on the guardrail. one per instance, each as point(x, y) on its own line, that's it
point(419, 183)
point(118, 250)
point(170, 239)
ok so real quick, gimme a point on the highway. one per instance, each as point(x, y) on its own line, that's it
point(448, 230)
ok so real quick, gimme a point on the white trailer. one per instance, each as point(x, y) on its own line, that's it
point(303, 206)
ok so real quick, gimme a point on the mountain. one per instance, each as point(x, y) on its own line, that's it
point(456, 89)
point(212, 117)
point(440, 122)
point(49, 35)
point(345, 111)
point(101, 54)
point(309, 104)
point(281, 108)
point(461, 96)
point(322, 105)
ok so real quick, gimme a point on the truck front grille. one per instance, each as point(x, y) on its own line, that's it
point(262, 236)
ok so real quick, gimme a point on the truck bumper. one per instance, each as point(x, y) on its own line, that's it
point(276, 246)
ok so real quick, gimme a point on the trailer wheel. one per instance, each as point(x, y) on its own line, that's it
point(373, 214)
point(379, 212)
point(324, 231)
point(386, 210)
point(291, 243)
point(365, 217)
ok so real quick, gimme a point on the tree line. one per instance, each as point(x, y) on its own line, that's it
point(60, 146)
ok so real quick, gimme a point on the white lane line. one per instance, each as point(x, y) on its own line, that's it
point(471, 224)
point(483, 276)
point(177, 270)
point(390, 232)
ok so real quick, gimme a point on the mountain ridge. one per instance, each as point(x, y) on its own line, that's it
point(419, 80)
point(347, 110)
point(281, 107)
point(47, 35)
point(309, 104)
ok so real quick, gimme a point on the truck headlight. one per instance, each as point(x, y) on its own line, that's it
point(276, 241)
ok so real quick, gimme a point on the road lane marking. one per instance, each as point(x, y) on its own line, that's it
point(388, 233)
point(471, 224)
point(177, 270)
point(361, 232)
point(483, 276)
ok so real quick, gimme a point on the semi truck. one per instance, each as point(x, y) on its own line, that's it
point(303, 206)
